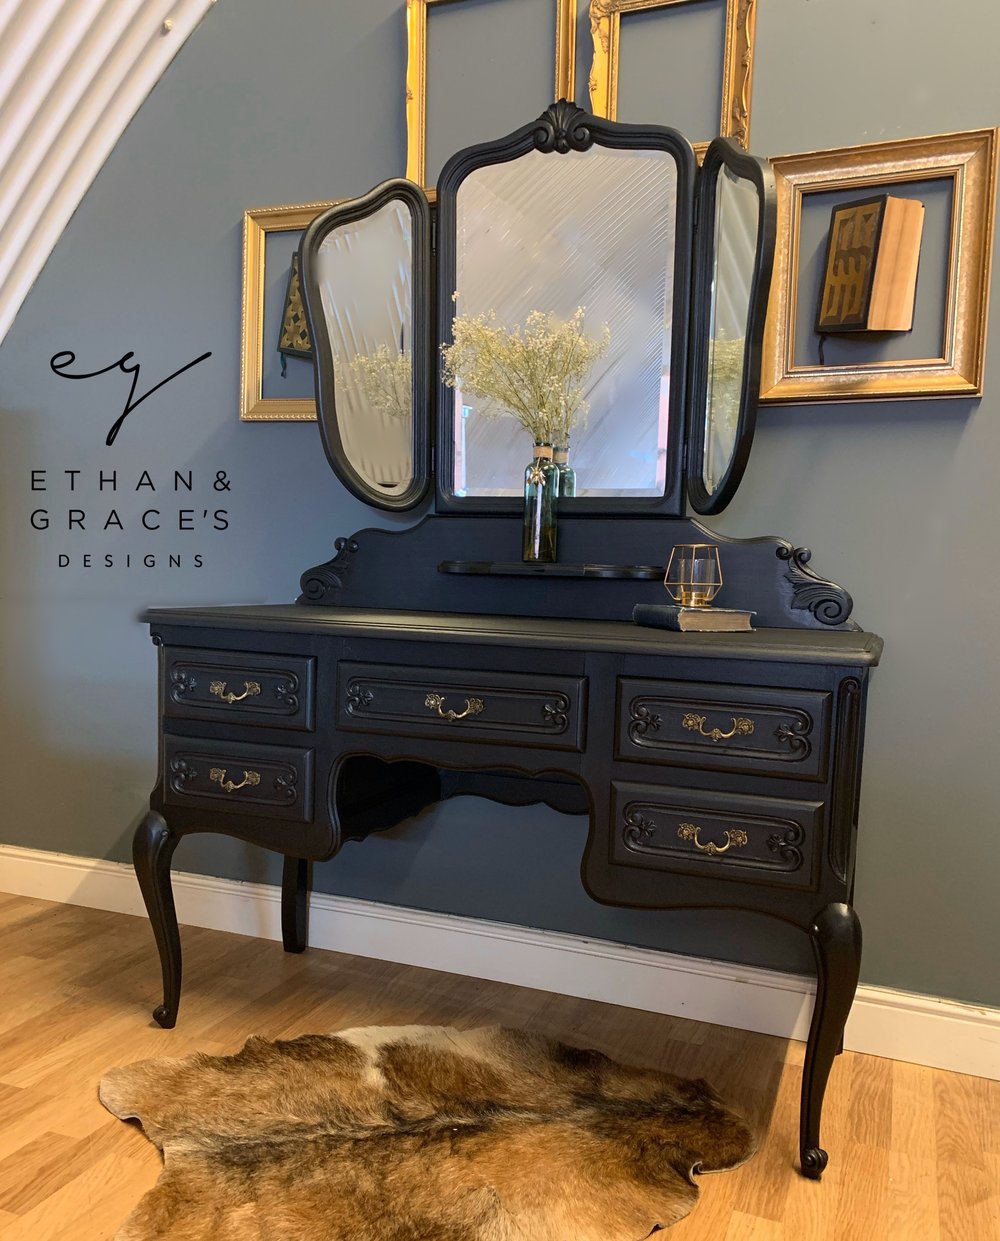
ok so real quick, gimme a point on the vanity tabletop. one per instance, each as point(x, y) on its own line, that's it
point(825, 646)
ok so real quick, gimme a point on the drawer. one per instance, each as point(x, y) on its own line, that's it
point(270, 780)
point(272, 690)
point(763, 730)
point(732, 835)
point(463, 706)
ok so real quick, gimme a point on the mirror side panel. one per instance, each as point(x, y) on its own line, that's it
point(734, 254)
point(366, 282)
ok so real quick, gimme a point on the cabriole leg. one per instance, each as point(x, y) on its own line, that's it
point(152, 848)
point(836, 941)
point(295, 904)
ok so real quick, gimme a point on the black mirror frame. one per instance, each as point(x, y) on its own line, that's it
point(562, 128)
point(725, 153)
point(349, 212)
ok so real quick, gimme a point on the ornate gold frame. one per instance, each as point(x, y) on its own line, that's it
point(737, 60)
point(257, 223)
point(969, 160)
point(416, 74)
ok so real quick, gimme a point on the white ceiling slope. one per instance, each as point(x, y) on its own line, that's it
point(72, 75)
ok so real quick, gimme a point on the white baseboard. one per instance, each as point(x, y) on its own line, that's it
point(941, 1033)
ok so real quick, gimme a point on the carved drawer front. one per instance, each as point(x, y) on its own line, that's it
point(471, 706)
point(782, 732)
point(738, 836)
point(270, 780)
point(273, 690)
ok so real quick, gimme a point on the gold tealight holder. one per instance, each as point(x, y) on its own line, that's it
point(694, 574)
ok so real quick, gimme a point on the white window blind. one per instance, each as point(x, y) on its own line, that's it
point(72, 75)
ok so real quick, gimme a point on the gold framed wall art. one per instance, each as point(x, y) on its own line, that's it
point(954, 177)
point(416, 74)
point(737, 61)
point(270, 236)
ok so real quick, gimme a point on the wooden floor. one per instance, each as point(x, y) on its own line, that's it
point(914, 1153)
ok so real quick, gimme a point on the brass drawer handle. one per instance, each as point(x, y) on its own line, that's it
point(250, 690)
point(735, 839)
point(473, 706)
point(218, 776)
point(696, 723)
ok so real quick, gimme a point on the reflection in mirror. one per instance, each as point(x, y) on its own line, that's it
point(737, 215)
point(590, 231)
point(363, 273)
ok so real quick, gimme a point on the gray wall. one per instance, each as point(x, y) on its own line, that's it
point(277, 103)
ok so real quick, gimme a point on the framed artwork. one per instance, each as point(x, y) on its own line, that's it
point(736, 55)
point(417, 74)
point(276, 374)
point(953, 178)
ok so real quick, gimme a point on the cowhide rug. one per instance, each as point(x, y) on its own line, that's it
point(418, 1133)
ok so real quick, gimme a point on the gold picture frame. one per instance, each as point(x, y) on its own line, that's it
point(416, 74)
point(258, 222)
point(969, 161)
point(737, 61)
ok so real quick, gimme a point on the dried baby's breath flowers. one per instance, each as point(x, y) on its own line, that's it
point(385, 377)
point(535, 373)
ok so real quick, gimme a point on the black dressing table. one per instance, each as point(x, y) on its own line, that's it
point(718, 770)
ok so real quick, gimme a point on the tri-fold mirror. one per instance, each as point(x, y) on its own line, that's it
point(609, 234)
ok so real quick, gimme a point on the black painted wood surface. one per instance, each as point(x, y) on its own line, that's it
point(719, 770)
point(399, 570)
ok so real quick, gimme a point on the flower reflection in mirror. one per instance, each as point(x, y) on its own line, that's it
point(725, 390)
point(385, 377)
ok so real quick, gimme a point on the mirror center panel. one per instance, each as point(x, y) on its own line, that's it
point(592, 233)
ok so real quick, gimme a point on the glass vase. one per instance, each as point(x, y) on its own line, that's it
point(541, 493)
point(567, 475)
